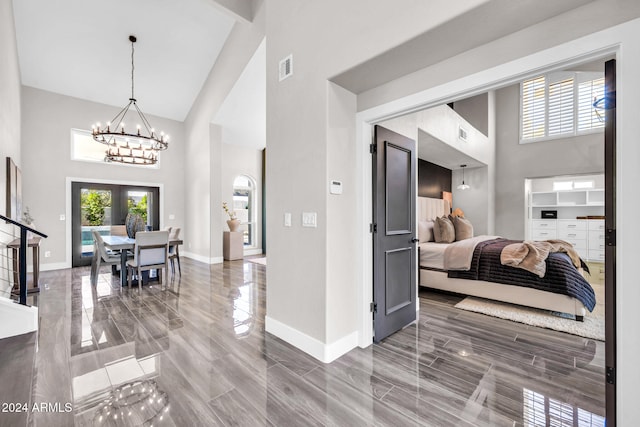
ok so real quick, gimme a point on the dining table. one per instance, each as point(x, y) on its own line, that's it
point(125, 244)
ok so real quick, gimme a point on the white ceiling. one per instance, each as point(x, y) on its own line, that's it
point(80, 48)
point(442, 154)
point(243, 115)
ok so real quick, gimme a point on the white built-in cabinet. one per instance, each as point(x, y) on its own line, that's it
point(586, 235)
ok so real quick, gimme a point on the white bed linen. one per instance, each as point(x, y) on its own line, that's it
point(432, 254)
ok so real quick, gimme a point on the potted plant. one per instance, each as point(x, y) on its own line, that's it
point(233, 222)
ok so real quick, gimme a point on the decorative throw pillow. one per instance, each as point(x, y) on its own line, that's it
point(443, 230)
point(463, 228)
point(425, 231)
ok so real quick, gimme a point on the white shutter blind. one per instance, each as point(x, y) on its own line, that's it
point(588, 116)
point(561, 107)
point(533, 108)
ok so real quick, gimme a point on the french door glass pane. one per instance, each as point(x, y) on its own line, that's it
point(95, 210)
point(138, 202)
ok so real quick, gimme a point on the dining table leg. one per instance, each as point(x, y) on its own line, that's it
point(123, 268)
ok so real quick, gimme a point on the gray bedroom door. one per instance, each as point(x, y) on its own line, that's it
point(394, 234)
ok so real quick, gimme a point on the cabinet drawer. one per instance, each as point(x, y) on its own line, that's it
point(578, 244)
point(596, 224)
point(582, 252)
point(543, 234)
point(596, 239)
point(596, 268)
point(572, 234)
point(572, 224)
point(596, 255)
point(543, 224)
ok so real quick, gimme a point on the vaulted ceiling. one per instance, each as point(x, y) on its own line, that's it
point(80, 48)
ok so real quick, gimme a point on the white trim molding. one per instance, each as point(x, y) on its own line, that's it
point(16, 319)
point(326, 353)
point(204, 259)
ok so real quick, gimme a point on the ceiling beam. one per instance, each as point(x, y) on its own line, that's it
point(240, 10)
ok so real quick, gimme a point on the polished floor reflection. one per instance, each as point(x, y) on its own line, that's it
point(194, 352)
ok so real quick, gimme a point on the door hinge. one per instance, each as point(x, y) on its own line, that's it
point(373, 307)
point(373, 148)
point(610, 237)
point(373, 228)
point(611, 375)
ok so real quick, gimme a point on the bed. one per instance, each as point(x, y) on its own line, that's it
point(434, 273)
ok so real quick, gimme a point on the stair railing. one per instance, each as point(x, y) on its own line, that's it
point(22, 255)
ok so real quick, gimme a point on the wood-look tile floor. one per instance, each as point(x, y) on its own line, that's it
point(196, 354)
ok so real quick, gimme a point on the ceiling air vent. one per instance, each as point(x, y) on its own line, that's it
point(462, 133)
point(286, 67)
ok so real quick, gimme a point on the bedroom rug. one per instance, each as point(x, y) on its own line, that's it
point(592, 327)
point(261, 261)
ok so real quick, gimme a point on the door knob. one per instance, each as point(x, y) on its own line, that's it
point(414, 240)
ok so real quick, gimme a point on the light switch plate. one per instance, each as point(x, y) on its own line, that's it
point(172, 216)
point(62, 217)
point(287, 219)
point(309, 219)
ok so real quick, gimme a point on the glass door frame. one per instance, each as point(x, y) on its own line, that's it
point(119, 210)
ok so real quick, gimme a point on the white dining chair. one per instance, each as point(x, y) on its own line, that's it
point(101, 256)
point(150, 252)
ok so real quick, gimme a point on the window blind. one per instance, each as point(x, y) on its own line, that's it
point(561, 107)
point(588, 93)
point(533, 108)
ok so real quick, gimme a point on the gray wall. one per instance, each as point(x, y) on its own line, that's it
point(325, 38)
point(475, 110)
point(203, 141)
point(473, 201)
point(47, 120)
point(239, 160)
point(9, 117)
point(576, 155)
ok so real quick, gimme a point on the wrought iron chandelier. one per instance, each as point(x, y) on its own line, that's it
point(138, 148)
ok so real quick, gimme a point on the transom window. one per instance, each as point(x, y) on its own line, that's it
point(560, 104)
point(84, 148)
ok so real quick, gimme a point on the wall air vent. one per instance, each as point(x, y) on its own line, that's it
point(285, 69)
point(462, 134)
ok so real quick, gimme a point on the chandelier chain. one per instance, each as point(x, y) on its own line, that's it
point(138, 147)
point(132, 68)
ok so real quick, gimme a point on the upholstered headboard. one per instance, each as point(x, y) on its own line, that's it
point(430, 208)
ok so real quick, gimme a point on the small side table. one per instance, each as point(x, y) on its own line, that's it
point(233, 245)
point(33, 243)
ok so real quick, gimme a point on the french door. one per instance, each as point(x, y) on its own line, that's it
point(104, 208)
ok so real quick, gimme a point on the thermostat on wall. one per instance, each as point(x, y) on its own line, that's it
point(336, 187)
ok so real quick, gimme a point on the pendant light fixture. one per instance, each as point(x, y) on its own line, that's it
point(136, 148)
point(463, 186)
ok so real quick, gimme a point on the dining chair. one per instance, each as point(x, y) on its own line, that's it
point(101, 256)
point(174, 253)
point(118, 230)
point(150, 252)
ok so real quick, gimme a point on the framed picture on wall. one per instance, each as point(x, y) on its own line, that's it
point(14, 191)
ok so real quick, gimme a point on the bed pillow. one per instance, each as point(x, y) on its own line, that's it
point(463, 228)
point(425, 231)
point(443, 230)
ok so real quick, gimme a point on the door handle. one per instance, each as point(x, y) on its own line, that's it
point(414, 240)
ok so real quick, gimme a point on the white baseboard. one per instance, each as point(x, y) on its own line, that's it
point(16, 319)
point(254, 251)
point(325, 353)
point(200, 258)
point(54, 266)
